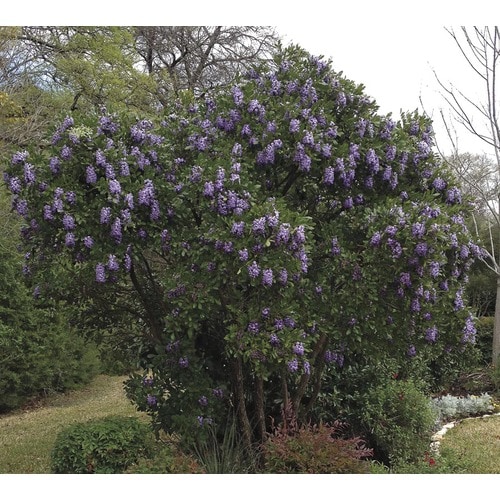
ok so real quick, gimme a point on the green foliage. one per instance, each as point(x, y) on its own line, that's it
point(103, 446)
point(484, 327)
point(314, 449)
point(40, 351)
point(447, 462)
point(399, 421)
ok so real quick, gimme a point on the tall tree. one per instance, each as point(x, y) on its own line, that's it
point(480, 47)
point(199, 58)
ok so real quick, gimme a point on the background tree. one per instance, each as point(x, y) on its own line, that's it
point(200, 58)
point(480, 47)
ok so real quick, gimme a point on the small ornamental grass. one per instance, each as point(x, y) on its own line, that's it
point(104, 446)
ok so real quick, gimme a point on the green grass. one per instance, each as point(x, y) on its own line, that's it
point(475, 444)
point(27, 437)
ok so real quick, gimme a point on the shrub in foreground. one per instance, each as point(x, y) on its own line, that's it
point(399, 420)
point(106, 446)
point(314, 449)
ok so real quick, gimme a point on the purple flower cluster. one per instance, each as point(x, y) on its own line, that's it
point(334, 357)
point(267, 277)
point(302, 158)
point(469, 331)
point(253, 270)
point(335, 248)
point(147, 193)
point(151, 400)
point(431, 334)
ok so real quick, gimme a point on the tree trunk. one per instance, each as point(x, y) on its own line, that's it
point(496, 329)
point(239, 392)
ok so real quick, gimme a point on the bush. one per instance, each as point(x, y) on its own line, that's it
point(447, 462)
point(39, 361)
point(223, 451)
point(314, 450)
point(103, 446)
point(400, 420)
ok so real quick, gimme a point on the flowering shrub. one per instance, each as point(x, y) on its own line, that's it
point(259, 238)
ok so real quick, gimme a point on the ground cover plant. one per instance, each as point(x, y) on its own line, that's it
point(266, 239)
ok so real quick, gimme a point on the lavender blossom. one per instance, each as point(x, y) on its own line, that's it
point(100, 273)
point(431, 334)
point(421, 249)
point(243, 255)
point(15, 185)
point(329, 176)
point(105, 215)
point(253, 327)
point(469, 331)
point(69, 240)
point(114, 187)
point(19, 157)
point(376, 239)
point(116, 230)
point(259, 226)
point(298, 349)
point(282, 277)
point(253, 270)
point(267, 277)
point(91, 176)
point(68, 222)
point(335, 249)
point(274, 340)
point(293, 365)
point(88, 241)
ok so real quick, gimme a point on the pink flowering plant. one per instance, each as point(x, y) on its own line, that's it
point(256, 238)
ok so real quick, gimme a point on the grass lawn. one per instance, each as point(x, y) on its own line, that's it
point(475, 443)
point(27, 437)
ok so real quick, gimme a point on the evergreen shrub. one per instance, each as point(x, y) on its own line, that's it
point(399, 421)
point(103, 446)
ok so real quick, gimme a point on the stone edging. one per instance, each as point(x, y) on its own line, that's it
point(439, 435)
